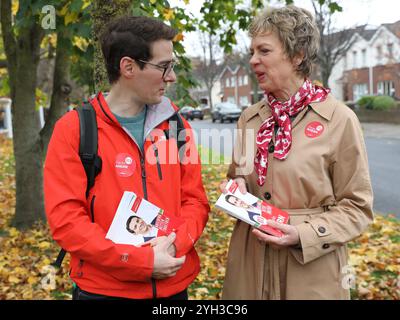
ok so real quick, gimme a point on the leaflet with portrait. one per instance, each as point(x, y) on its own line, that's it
point(250, 209)
point(138, 220)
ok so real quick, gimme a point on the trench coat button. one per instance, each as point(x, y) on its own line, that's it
point(325, 246)
point(321, 229)
point(271, 148)
point(267, 195)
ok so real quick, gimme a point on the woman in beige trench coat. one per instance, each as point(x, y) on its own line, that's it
point(303, 151)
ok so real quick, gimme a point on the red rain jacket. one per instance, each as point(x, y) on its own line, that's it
point(97, 264)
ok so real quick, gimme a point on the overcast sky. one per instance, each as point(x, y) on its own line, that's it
point(355, 12)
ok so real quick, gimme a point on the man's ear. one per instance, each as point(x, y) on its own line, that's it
point(128, 67)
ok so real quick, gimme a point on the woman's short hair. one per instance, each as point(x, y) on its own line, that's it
point(296, 29)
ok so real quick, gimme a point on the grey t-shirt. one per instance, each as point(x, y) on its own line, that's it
point(135, 126)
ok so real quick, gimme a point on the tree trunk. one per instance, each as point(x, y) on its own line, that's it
point(210, 99)
point(104, 11)
point(325, 74)
point(255, 87)
point(61, 89)
point(26, 128)
point(22, 53)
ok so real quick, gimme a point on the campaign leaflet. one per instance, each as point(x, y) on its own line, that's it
point(250, 209)
point(138, 220)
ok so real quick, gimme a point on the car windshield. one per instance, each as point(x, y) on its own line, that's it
point(229, 106)
point(186, 108)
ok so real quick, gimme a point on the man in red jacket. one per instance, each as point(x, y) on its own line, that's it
point(137, 156)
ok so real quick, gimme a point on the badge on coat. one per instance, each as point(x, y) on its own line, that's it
point(314, 129)
point(124, 165)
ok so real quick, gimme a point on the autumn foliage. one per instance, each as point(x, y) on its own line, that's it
point(25, 256)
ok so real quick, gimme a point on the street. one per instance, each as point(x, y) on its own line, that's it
point(383, 148)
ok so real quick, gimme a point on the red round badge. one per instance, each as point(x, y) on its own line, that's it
point(314, 129)
point(125, 165)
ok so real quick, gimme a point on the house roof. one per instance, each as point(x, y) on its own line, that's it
point(394, 27)
point(233, 70)
point(366, 32)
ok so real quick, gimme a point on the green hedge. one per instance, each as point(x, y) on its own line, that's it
point(377, 102)
point(366, 102)
point(383, 103)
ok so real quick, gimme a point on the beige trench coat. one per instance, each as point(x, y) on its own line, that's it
point(325, 186)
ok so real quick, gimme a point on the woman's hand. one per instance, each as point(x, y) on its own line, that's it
point(290, 235)
point(240, 181)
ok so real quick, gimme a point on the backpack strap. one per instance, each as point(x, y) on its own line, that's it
point(176, 126)
point(88, 145)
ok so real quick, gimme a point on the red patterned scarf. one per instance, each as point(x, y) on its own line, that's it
point(281, 113)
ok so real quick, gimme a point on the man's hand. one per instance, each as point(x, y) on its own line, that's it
point(240, 181)
point(165, 265)
point(171, 249)
point(290, 235)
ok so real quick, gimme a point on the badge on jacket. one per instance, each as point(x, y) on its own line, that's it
point(314, 129)
point(124, 165)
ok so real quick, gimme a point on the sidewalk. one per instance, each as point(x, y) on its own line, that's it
point(381, 130)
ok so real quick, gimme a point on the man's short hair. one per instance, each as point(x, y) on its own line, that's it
point(128, 222)
point(229, 196)
point(130, 36)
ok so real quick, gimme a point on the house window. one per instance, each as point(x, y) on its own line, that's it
point(359, 90)
point(390, 50)
point(245, 80)
point(364, 57)
point(233, 81)
point(354, 59)
point(379, 53)
point(386, 88)
point(240, 80)
point(227, 82)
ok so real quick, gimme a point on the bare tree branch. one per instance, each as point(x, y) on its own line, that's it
point(207, 70)
point(333, 44)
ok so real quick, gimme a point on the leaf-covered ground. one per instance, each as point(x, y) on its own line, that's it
point(25, 256)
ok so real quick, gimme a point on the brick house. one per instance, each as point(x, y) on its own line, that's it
point(371, 65)
point(236, 86)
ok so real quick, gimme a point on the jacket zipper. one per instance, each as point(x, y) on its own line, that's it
point(158, 164)
point(157, 158)
point(153, 281)
point(144, 185)
point(142, 166)
point(143, 177)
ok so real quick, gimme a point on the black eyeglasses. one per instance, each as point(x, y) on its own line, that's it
point(166, 69)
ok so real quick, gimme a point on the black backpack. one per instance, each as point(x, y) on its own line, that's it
point(88, 148)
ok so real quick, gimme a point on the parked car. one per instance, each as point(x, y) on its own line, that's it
point(191, 113)
point(197, 113)
point(225, 111)
point(186, 111)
